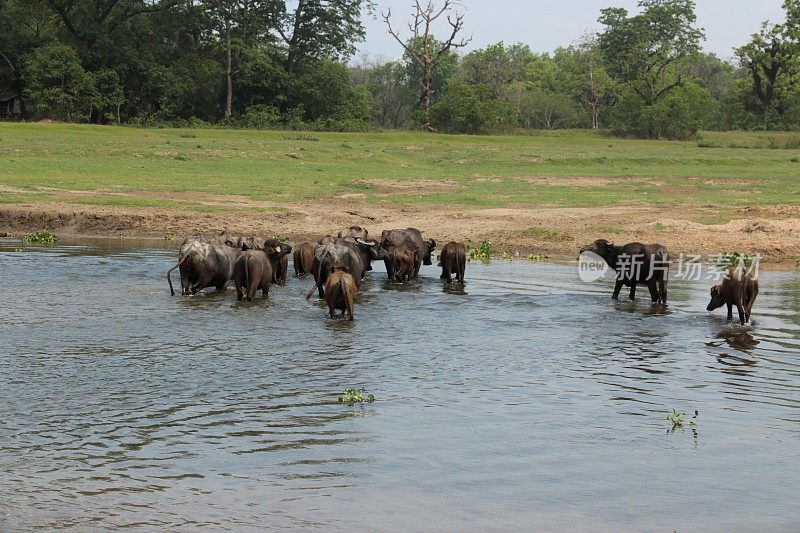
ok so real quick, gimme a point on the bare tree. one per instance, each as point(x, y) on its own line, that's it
point(424, 49)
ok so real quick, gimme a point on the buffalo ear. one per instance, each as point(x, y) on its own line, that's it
point(432, 244)
point(245, 247)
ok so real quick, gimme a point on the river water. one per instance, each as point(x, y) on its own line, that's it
point(531, 401)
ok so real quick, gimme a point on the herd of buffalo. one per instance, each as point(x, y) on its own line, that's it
point(340, 263)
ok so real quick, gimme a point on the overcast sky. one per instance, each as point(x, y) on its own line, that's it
point(547, 24)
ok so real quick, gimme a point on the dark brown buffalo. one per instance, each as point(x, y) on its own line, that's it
point(453, 260)
point(739, 287)
point(354, 232)
point(252, 272)
point(206, 262)
point(332, 256)
point(278, 254)
point(411, 238)
point(341, 290)
point(367, 251)
point(401, 262)
point(304, 258)
point(635, 263)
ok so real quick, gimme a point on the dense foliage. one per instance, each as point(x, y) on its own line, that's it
point(284, 64)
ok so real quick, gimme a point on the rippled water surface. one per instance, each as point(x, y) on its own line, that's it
point(532, 402)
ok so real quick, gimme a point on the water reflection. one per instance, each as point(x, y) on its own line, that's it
point(535, 400)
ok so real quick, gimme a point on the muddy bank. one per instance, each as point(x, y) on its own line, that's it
point(773, 232)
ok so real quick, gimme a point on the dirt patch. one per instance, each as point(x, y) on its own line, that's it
point(577, 181)
point(400, 187)
point(555, 232)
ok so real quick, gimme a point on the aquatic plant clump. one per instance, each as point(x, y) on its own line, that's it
point(678, 419)
point(482, 252)
point(40, 237)
point(353, 396)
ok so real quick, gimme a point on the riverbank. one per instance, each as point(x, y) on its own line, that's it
point(547, 194)
point(773, 232)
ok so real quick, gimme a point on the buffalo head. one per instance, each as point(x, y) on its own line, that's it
point(717, 298)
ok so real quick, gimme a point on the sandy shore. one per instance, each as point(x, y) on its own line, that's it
point(773, 232)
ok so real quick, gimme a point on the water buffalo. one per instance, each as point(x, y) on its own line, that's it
point(635, 263)
point(252, 271)
point(412, 238)
point(327, 239)
point(278, 253)
point(354, 232)
point(329, 257)
point(401, 261)
point(341, 290)
point(453, 260)
point(206, 262)
point(304, 258)
point(367, 251)
point(739, 287)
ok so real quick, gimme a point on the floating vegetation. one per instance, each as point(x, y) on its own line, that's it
point(534, 257)
point(40, 237)
point(678, 419)
point(353, 396)
point(507, 255)
point(482, 252)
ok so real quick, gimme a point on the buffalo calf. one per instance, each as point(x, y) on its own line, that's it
point(403, 261)
point(453, 260)
point(739, 288)
point(341, 290)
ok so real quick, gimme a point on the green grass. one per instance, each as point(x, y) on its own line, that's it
point(126, 201)
point(480, 171)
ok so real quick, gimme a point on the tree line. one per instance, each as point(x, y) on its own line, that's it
point(288, 64)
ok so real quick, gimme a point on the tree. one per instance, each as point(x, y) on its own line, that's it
point(92, 24)
point(592, 86)
point(649, 53)
point(57, 84)
point(771, 59)
point(392, 96)
point(424, 49)
point(240, 24)
point(320, 29)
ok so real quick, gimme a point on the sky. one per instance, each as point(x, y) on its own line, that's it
point(545, 25)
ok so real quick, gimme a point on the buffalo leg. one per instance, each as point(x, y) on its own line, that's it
point(446, 274)
point(633, 291)
point(741, 313)
point(653, 288)
point(730, 311)
point(617, 289)
point(662, 289)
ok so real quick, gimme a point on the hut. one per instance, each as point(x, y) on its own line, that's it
point(10, 105)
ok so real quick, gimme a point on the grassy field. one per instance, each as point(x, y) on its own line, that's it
point(564, 169)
